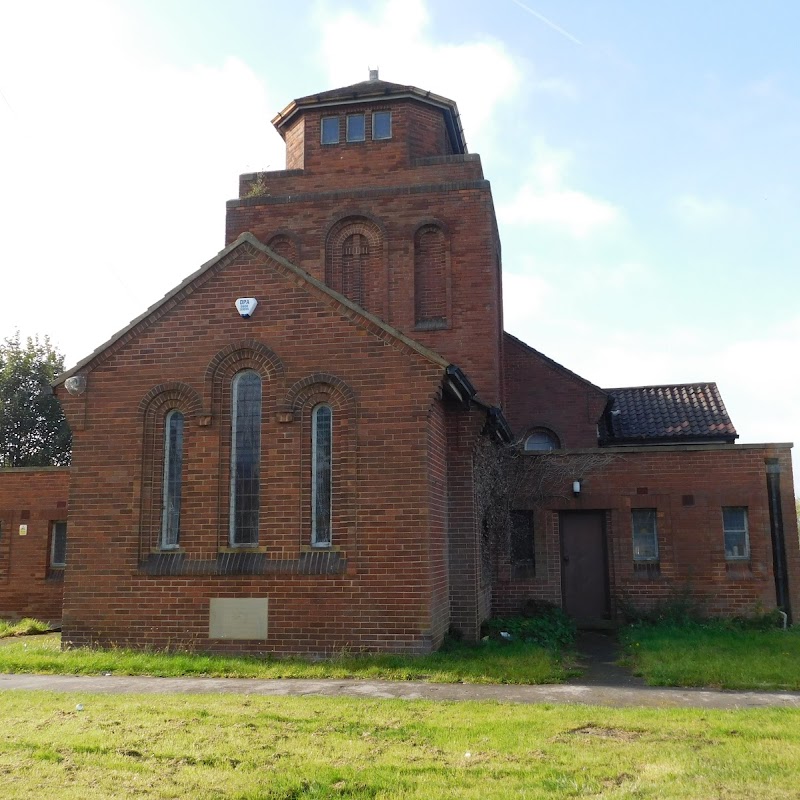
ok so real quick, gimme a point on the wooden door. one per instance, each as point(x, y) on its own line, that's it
point(584, 567)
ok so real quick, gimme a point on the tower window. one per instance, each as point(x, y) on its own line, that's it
point(330, 130)
point(355, 128)
point(382, 125)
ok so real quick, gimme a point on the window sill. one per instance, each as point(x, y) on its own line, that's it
point(647, 569)
point(240, 561)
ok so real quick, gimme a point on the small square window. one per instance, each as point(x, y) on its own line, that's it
point(58, 544)
point(382, 125)
point(355, 128)
point(330, 130)
point(737, 539)
point(645, 534)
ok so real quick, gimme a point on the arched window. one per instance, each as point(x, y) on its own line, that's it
point(355, 252)
point(542, 440)
point(354, 262)
point(173, 469)
point(430, 277)
point(321, 474)
point(245, 458)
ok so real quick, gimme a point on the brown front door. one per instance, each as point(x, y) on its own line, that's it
point(584, 570)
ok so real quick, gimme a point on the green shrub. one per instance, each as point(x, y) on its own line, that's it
point(550, 628)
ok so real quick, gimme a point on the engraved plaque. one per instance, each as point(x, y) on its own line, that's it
point(238, 618)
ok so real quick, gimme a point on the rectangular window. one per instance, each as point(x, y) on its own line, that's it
point(355, 128)
point(173, 468)
point(737, 539)
point(382, 125)
point(522, 542)
point(645, 534)
point(330, 130)
point(58, 545)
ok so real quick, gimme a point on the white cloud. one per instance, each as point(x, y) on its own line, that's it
point(478, 75)
point(115, 168)
point(547, 199)
point(704, 211)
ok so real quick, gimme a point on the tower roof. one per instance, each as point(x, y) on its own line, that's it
point(371, 91)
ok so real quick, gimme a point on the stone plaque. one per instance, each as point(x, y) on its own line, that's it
point(238, 618)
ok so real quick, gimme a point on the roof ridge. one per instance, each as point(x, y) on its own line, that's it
point(248, 238)
point(555, 363)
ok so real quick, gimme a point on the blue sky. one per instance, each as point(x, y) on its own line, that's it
point(643, 158)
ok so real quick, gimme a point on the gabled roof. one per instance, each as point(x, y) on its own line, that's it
point(679, 413)
point(173, 297)
point(554, 364)
point(372, 91)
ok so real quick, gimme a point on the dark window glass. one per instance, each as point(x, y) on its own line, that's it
point(321, 474)
point(645, 534)
point(173, 469)
point(330, 130)
point(382, 125)
point(58, 545)
point(737, 540)
point(245, 458)
point(542, 441)
point(355, 128)
point(522, 542)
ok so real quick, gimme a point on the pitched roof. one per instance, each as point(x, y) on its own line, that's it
point(353, 311)
point(554, 364)
point(680, 413)
point(372, 91)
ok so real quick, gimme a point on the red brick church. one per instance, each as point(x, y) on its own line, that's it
point(286, 453)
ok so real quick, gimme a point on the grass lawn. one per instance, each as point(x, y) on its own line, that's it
point(287, 748)
point(714, 655)
point(491, 662)
point(25, 627)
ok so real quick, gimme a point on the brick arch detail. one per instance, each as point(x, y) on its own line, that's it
point(248, 354)
point(179, 395)
point(362, 278)
point(432, 302)
point(285, 245)
point(317, 388)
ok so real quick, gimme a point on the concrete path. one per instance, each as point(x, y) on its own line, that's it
point(406, 690)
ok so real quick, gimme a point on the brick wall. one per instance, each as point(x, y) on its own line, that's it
point(35, 499)
point(380, 586)
point(688, 486)
point(541, 393)
point(449, 193)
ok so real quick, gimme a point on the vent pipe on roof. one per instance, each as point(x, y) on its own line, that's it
point(373, 74)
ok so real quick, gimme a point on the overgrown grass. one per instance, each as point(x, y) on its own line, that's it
point(491, 662)
point(714, 654)
point(25, 627)
point(260, 748)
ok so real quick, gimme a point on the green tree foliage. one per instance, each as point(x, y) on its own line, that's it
point(33, 429)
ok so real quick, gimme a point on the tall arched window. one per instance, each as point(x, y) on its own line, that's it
point(430, 277)
point(245, 457)
point(173, 468)
point(355, 252)
point(321, 474)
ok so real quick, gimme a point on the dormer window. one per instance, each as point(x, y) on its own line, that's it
point(355, 128)
point(382, 125)
point(330, 130)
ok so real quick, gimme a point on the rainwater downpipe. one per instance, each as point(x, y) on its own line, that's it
point(778, 545)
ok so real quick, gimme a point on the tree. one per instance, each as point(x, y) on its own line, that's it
point(33, 429)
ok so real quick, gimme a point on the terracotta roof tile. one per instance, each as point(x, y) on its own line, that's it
point(686, 412)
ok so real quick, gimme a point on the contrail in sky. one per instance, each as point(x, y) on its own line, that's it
point(546, 21)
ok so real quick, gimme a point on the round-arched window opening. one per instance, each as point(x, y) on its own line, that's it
point(542, 441)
